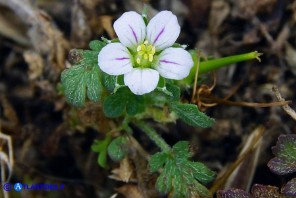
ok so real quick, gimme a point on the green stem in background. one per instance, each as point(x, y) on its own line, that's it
point(211, 65)
point(153, 135)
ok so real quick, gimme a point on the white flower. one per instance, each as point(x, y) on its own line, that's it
point(145, 52)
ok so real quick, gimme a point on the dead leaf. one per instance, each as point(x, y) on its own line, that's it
point(80, 27)
point(236, 171)
point(249, 8)
point(9, 111)
point(12, 28)
point(219, 11)
point(124, 172)
point(130, 191)
point(35, 62)
point(107, 24)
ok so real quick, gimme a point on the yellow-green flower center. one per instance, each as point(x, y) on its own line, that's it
point(145, 54)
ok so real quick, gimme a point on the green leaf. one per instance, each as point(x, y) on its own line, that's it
point(175, 90)
point(135, 104)
point(190, 114)
point(201, 172)
point(285, 155)
point(79, 80)
point(179, 174)
point(74, 84)
point(97, 45)
point(118, 148)
point(115, 104)
point(109, 82)
point(83, 79)
point(94, 86)
point(157, 161)
point(100, 147)
point(180, 150)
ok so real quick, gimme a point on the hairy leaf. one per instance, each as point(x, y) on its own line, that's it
point(174, 92)
point(285, 155)
point(118, 148)
point(109, 82)
point(123, 99)
point(96, 45)
point(190, 114)
point(180, 175)
point(290, 188)
point(157, 161)
point(83, 79)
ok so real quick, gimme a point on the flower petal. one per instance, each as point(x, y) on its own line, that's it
point(141, 81)
point(174, 63)
point(130, 29)
point(163, 30)
point(114, 59)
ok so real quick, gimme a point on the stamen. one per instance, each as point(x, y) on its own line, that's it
point(149, 47)
point(145, 54)
point(138, 60)
point(143, 47)
point(150, 57)
point(138, 48)
point(153, 50)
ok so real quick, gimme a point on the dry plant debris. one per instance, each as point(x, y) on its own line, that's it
point(52, 140)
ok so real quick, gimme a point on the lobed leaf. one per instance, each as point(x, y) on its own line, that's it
point(190, 114)
point(116, 104)
point(285, 155)
point(83, 79)
point(109, 82)
point(201, 172)
point(97, 45)
point(74, 85)
point(179, 174)
point(157, 161)
point(290, 188)
point(181, 150)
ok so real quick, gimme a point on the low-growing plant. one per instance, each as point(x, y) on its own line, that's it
point(141, 78)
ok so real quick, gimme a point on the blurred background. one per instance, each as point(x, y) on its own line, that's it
point(52, 141)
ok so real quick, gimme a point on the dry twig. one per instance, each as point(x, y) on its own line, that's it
point(286, 107)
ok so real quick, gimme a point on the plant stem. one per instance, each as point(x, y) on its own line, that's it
point(153, 135)
point(211, 65)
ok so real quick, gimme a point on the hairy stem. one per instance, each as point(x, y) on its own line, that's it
point(153, 135)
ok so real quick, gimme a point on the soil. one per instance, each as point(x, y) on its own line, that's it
point(51, 140)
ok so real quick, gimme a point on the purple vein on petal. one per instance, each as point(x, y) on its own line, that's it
point(122, 58)
point(136, 38)
point(159, 34)
point(169, 62)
